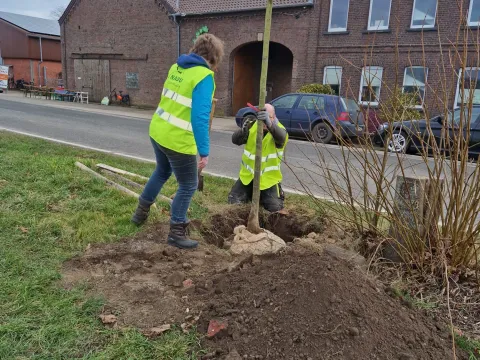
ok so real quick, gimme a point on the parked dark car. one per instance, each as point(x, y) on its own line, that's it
point(412, 135)
point(314, 115)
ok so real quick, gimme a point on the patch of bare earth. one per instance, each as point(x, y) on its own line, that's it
point(302, 303)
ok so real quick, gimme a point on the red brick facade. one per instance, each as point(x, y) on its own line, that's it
point(143, 39)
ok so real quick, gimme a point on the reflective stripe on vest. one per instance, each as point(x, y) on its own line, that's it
point(267, 169)
point(182, 100)
point(251, 156)
point(182, 124)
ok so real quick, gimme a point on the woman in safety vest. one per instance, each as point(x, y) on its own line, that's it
point(179, 130)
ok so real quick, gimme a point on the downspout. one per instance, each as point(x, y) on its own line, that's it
point(177, 22)
point(41, 61)
point(65, 60)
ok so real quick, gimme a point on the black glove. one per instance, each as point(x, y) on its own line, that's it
point(264, 116)
point(247, 124)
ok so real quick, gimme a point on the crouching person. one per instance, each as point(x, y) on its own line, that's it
point(275, 139)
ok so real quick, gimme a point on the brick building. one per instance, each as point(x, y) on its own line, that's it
point(361, 47)
point(31, 47)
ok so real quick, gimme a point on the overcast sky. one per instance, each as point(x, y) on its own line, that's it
point(38, 8)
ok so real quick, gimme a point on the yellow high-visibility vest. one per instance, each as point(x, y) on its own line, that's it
point(171, 125)
point(271, 160)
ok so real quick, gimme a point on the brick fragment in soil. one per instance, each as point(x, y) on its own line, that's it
point(287, 306)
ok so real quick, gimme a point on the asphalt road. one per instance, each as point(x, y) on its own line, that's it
point(305, 163)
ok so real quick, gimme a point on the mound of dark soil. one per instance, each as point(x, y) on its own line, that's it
point(300, 305)
point(295, 305)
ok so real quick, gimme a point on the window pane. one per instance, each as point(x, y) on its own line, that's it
point(471, 86)
point(333, 77)
point(308, 103)
point(379, 14)
point(414, 82)
point(339, 15)
point(373, 76)
point(371, 83)
point(474, 116)
point(285, 102)
point(414, 76)
point(424, 13)
point(474, 15)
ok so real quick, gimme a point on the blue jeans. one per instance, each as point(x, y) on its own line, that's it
point(184, 167)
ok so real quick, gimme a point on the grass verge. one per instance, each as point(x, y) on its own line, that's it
point(49, 212)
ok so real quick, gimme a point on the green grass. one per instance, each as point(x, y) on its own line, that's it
point(472, 347)
point(49, 212)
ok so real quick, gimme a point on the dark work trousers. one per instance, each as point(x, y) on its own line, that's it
point(271, 199)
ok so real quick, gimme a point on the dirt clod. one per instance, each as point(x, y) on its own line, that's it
point(156, 331)
point(108, 319)
point(217, 329)
point(233, 355)
point(176, 279)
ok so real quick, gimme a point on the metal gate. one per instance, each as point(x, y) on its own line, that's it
point(92, 76)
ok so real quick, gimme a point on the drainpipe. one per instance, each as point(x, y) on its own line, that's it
point(177, 22)
point(41, 61)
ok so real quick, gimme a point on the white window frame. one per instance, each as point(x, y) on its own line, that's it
point(460, 75)
point(333, 30)
point(339, 80)
point(374, 28)
point(424, 26)
point(362, 80)
point(425, 92)
point(470, 22)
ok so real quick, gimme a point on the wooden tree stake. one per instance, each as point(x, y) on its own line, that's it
point(253, 221)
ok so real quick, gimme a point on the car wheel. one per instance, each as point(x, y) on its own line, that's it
point(399, 142)
point(322, 133)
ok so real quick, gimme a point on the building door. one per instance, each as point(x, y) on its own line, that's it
point(247, 71)
point(92, 76)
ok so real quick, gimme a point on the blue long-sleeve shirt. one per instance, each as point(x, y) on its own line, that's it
point(201, 103)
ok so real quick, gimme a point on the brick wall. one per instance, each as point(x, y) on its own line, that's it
point(21, 70)
point(139, 30)
point(297, 34)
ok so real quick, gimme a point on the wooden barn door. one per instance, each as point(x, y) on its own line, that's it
point(93, 76)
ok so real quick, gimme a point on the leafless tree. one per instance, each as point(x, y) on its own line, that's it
point(57, 12)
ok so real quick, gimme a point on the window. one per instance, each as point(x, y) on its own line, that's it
point(338, 15)
point(424, 13)
point(470, 89)
point(414, 83)
point(474, 116)
point(310, 102)
point(332, 75)
point(379, 17)
point(285, 102)
point(370, 85)
point(474, 13)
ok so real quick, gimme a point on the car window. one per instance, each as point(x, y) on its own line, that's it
point(475, 115)
point(285, 102)
point(351, 104)
point(310, 102)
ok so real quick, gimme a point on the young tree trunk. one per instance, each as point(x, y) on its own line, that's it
point(253, 221)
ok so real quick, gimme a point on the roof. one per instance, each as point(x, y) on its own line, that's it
point(32, 24)
point(195, 7)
